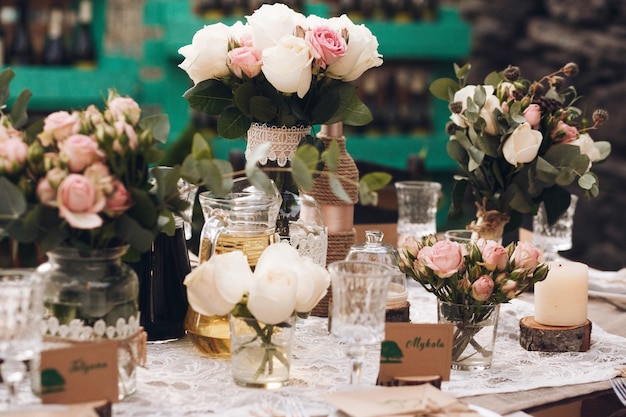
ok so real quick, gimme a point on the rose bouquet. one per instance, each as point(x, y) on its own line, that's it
point(283, 283)
point(280, 68)
point(82, 179)
point(519, 143)
point(466, 277)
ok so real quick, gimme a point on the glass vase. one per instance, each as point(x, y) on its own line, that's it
point(260, 352)
point(474, 334)
point(93, 297)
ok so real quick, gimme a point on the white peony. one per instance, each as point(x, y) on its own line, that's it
point(270, 23)
point(523, 145)
point(361, 53)
point(313, 282)
point(287, 66)
point(206, 56)
point(217, 285)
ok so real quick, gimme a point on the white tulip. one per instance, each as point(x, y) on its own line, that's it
point(217, 285)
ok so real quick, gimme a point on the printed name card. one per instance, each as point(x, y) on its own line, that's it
point(79, 372)
point(415, 350)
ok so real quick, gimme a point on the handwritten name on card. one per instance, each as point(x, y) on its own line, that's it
point(79, 372)
point(415, 350)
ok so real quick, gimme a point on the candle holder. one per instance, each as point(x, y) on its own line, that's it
point(535, 336)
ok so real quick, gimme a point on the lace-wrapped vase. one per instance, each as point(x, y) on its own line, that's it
point(300, 220)
point(94, 298)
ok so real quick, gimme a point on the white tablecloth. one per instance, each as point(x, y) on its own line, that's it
point(179, 381)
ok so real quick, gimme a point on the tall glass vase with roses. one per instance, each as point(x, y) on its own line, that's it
point(470, 281)
point(262, 306)
point(276, 73)
point(519, 143)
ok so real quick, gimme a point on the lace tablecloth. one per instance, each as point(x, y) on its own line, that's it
point(179, 381)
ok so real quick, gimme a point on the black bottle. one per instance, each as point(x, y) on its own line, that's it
point(54, 52)
point(21, 49)
point(84, 50)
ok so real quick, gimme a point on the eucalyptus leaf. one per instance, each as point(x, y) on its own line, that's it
point(444, 88)
point(159, 124)
point(587, 181)
point(493, 78)
point(260, 180)
point(19, 115)
point(133, 233)
point(262, 109)
point(5, 80)
point(308, 155)
point(337, 188)
point(301, 174)
point(143, 208)
point(604, 148)
point(13, 203)
point(213, 174)
point(375, 180)
point(480, 96)
point(355, 114)
point(332, 156)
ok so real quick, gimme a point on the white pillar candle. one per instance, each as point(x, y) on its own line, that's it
point(561, 299)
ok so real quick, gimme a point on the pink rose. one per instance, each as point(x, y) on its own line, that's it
point(494, 255)
point(444, 258)
point(246, 39)
point(327, 45)
point(119, 201)
point(124, 108)
point(411, 246)
point(482, 288)
point(93, 116)
point(245, 60)
point(564, 133)
point(79, 201)
point(510, 288)
point(124, 129)
point(13, 153)
point(526, 255)
point(59, 126)
point(80, 151)
point(532, 114)
point(98, 173)
point(45, 193)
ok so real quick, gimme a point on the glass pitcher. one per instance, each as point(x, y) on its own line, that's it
point(245, 220)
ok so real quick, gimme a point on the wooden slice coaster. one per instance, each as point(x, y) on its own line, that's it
point(538, 337)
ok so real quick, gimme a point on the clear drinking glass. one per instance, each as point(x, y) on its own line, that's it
point(417, 208)
point(359, 302)
point(555, 238)
point(21, 311)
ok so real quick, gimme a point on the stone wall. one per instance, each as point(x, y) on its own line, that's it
point(540, 36)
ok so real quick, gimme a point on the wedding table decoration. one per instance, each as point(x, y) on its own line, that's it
point(272, 78)
point(262, 307)
point(519, 143)
point(470, 281)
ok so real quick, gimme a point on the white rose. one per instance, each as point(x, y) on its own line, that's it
point(313, 282)
point(587, 147)
point(361, 53)
point(468, 92)
point(487, 114)
point(287, 66)
point(217, 285)
point(269, 23)
point(278, 256)
point(205, 57)
point(272, 297)
point(523, 144)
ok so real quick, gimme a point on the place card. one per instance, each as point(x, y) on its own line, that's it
point(79, 372)
point(411, 349)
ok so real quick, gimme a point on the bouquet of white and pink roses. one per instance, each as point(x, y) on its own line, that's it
point(82, 179)
point(519, 143)
point(473, 273)
point(280, 68)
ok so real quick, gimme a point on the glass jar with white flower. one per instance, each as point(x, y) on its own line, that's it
point(262, 307)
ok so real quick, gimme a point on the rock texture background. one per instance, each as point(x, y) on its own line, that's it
point(540, 36)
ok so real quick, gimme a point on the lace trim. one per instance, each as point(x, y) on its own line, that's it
point(283, 141)
point(77, 330)
point(311, 243)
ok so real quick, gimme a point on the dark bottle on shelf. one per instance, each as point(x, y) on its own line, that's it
point(84, 50)
point(21, 50)
point(54, 51)
point(209, 9)
point(3, 45)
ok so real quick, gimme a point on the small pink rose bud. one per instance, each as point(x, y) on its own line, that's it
point(482, 288)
